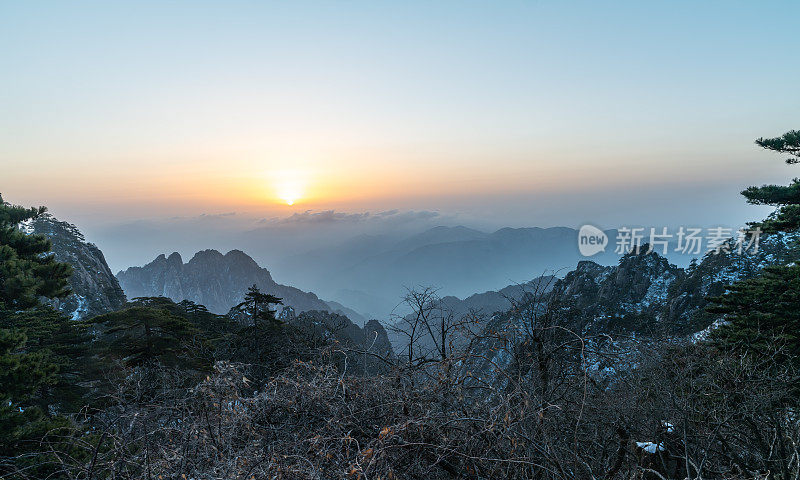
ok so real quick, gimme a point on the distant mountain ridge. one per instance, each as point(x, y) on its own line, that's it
point(488, 303)
point(370, 273)
point(481, 306)
point(217, 281)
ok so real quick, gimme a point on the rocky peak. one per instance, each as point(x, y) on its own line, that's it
point(95, 290)
point(210, 258)
point(175, 259)
point(212, 279)
point(584, 281)
point(610, 297)
point(377, 338)
point(640, 279)
point(239, 260)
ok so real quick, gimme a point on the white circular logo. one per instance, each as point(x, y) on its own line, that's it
point(591, 240)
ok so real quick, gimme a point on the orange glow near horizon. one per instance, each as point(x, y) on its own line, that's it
point(266, 181)
point(276, 181)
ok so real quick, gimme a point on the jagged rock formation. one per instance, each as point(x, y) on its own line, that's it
point(709, 278)
point(217, 281)
point(643, 298)
point(95, 290)
point(644, 293)
point(628, 296)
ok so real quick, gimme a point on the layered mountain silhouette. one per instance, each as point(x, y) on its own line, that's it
point(370, 273)
point(217, 281)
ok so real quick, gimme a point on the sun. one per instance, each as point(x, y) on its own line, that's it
point(289, 194)
point(289, 187)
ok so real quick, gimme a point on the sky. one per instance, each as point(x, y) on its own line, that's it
point(120, 115)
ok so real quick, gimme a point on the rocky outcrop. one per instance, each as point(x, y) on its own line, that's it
point(332, 326)
point(376, 338)
point(619, 309)
point(95, 290)
point(711, 276)
point(644, 293)
point(629, 296)
point(215, 280)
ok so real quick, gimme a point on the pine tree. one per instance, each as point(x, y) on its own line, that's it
point(764, 312)
point(66, 344)
point(27, 272)
point(256, 306)
point(27, 372)
point(146, 336)
point(212, 327)
point(22, 425)
point(785, 198)
point(193, 310)
point(264, 343)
